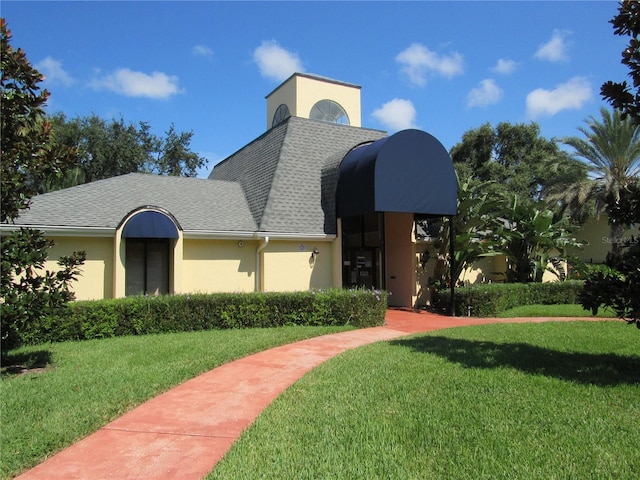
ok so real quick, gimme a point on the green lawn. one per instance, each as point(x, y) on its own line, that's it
point(512, 401)
point(553, 311)
point(552, 400)
point(87, 384)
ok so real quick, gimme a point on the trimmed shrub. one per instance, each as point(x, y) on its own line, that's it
point(487, 300)
point(179, 313)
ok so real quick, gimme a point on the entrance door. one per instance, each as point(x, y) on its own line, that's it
point(362, 248)
point(361, 268)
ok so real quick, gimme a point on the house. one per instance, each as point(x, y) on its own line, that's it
point(317, 201)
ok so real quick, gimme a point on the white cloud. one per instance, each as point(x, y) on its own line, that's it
point(487, 93)
point(275, 62)
point(505, 66)
point(130, 83)
point(54, 73)
point(396, 114)
point(556, 49)
point(571, 95)
point(418, 62)
point(202, 51)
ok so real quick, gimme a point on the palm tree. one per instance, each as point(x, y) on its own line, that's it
point(610, 150)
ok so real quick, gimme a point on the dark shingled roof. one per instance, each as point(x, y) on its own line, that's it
point(282, 182)
point(196, 204)
point(281, 173)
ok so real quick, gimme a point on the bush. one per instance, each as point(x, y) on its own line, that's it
point(178, 313)
point(487, 300)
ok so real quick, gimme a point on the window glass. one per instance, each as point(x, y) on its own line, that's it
point(282, 113)
point(329, 111)
point(147, 266)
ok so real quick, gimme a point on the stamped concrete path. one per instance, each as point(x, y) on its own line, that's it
point(184, 432)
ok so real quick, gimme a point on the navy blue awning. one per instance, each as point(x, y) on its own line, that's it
point(150, 224)
point(409, 172)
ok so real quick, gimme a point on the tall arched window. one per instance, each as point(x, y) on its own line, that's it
point(149, 236)
point(329, 111)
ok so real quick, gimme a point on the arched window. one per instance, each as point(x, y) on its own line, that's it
point(329, 111)
point(149, 236)
point(282, 113)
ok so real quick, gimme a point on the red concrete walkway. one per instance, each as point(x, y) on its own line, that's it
point(184, 432)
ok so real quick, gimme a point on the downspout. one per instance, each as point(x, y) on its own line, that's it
point(261, 247)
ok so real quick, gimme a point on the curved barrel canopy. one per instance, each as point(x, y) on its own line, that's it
point(409, 171)
point(150, 224)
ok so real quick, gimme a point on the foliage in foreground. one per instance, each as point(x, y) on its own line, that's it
point(81, 386)
point(534, 401)
point(30, 157)
point(615, 287)
point(488, 300)
point(616, 284)
point(622, 96)
point(142, 315)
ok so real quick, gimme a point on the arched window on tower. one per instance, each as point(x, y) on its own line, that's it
point(282, 113)
point(329, 111)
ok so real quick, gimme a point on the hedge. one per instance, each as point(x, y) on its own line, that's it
point(487, 300)
point(179, 313)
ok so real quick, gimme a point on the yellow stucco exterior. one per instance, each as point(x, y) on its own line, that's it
point(96, 277)
point(293, 265)
point(301, 92)
point(597, 233)
point(205, 265)
point(217, 266)
point(210, 265)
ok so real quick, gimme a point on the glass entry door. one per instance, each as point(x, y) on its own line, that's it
point(362, 250)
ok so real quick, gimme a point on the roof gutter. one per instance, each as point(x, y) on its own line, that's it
point(62, 230)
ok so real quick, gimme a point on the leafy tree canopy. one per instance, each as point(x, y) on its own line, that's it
point(610, 151)
point(622, 96)
point(30, 157)
point(111, 148)
point(514, 160)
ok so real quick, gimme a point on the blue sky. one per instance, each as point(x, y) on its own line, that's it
point(443, 67)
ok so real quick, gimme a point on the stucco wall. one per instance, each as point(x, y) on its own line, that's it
point(400, 259)
point(218, 266)
point(300, 94)
point(598, 233)
point(289, 266)
point(96, 280)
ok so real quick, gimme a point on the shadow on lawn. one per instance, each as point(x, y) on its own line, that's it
point(20, 363)
point(587, 368)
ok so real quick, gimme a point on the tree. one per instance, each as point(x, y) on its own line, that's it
point(174, 157)
point(110, 148)
point(30, 157)
point(615, 285)
point(531, 240)
point(472, 232)
point(610, 151)
point(620, 95)
point(514, 160)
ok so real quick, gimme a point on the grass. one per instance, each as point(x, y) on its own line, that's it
point(84, 385)
point(553, 311)
point(511, 401)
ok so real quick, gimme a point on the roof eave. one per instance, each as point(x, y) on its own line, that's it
point(62, 230)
